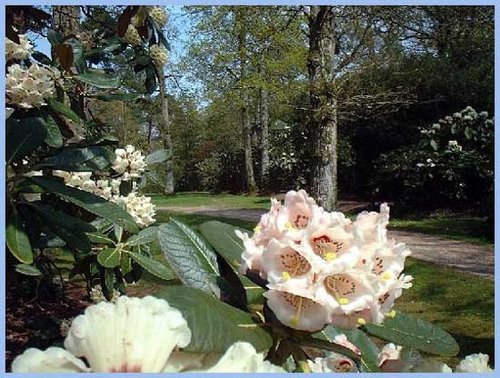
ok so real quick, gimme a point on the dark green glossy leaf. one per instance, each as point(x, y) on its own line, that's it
point(223, 238)
point(154, 267)
point(98, 79)
point(41, 57)
point(109, 257)
point(88, 201)
point(17, 240)
point(63, 109)
point(88, 159)
point(194, 262)
point(74, 239)
point(28, 270)
point(62, 219)
point(23, 137)
point(98, 238)
point(54, 137)
point(145, 236)
point(215, 325)
point(416, 333)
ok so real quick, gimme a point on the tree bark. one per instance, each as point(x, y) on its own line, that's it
point(245, 106)
point(166, 135)
point(323, 106)
point(264, 132)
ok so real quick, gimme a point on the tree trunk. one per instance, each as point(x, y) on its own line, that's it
point(245, 107)
point(166, 135)
point(323, 107)
point(264, 135)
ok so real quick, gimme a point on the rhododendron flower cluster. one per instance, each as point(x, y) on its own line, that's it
point(18, 51)
point(323, 268)
point(135, 335)
point(28, 88)
point(129, 162)
point(158, 15)
point(159, 55)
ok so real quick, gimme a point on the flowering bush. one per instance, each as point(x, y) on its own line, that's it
point(452, 164)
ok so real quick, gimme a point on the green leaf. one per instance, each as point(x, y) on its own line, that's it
point(41, 57)
point(78, 56)
point(369, 351)
point(17, 240)
point(158, 156)
point(98, 238)
point(215, 325)
point(98, 79)
point(468, 132)
point(28, 270)
point(416, 333)
point(144, 236)
point(23, 137)
point(117, 96)
point(54, 137)
point(88, 159)
point(62, 219)
point(54, 37)
point(433, 144)
point(88, 201)
point(74, 239)
point(109, 257)
point(63, 109)
point(154, 267)
point(194, 262)
point(223, 238)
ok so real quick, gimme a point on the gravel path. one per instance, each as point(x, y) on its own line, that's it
point(466, 257)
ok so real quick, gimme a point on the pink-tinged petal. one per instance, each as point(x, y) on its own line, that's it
point(297, 310)
point(332, 363)
point(52, 360)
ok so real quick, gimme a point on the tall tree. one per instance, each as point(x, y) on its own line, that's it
point(323, 106)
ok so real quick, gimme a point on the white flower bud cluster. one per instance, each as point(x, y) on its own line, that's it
point(129, 162)
point(18, 51)
point(132, 36)
point(28, 88)
point(158, 15)
point(322, 268)
point(159, 55)
point(140, 208)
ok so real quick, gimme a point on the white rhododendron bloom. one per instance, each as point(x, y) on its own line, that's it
point(18, 51)
point(140, 208)
point(474, 363)
point(159, 55)
point(28, 88)
point(129, 162)
point(133, 335)
point(454, 146)
point(322, 268)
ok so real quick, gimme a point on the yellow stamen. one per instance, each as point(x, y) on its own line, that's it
point(330, 256)
point(257, 229)
point(286, 275)
point(392, 314)
point(386, 276)
point(343, 301)
point(295, 321)
point(361, 321)
point(289, 226)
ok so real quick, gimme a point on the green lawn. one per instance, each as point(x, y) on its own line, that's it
point(462, 304)
point(213, 200)
point(468, 229)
